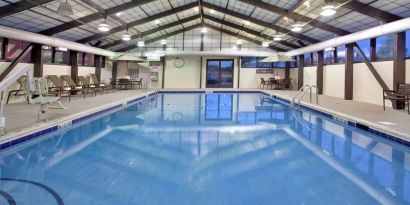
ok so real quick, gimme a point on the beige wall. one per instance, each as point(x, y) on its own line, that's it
point(309, 75)
point(334, 80)
point(186, 77)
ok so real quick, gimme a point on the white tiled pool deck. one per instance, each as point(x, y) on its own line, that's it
point(21, 117)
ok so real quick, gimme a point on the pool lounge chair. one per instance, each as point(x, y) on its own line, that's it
point(58, 88)
point(74, 87)
point(402, 95)
point(103, 86)
point(87, 84)
point(20, 91)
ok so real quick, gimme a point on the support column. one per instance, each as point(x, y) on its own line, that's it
point(349, 72)
point(399, 64)
point(37, 60)
point(4, 48)
point(372, 49)
point(114, 71)
point(319, 73)
point(164, 62)
point(202, 41)
point(74, 65)
point(287, 72)
point(97, 62)
point(301, 62)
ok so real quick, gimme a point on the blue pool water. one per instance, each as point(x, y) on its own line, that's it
point(206, 149)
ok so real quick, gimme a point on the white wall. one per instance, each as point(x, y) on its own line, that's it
point(309, 75)
point(334, 80)
point(186, 77)
point(56, 70)
point(365, 86)
point(407, 71)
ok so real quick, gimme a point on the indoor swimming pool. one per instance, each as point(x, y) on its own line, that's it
point(206, 149)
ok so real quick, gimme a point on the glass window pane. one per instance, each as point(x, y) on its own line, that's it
point(61, 57)
point(15, 47)
point(47, 54)
point(248, 62)
point(308, 59)
point(80, 58)
point(315, 57)
point(341, 55)
point(89, 59)
point(365, 47)
point(328, 57)
point(263, 64)
point(384, 47)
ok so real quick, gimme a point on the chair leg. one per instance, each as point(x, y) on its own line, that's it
point(8, 98)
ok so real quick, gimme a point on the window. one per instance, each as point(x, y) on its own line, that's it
point(294, 63)
point(15, 48)
point(315, 59)
point(248, 62)
point(340, 54)
point(308, 59)
point(262, 64)
point(279, 64)
point(365, 47)
point(61, 56)
point(328, 57)
point(89, 59)
point(80, 58)
point(407, 43)
point(47, 54)
point(384, 47)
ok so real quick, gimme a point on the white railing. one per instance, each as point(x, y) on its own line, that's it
point(302, 93)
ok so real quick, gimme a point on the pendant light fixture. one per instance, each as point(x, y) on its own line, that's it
point(104, 27)
point(163, 41)
point(297, 27)
point(328, 10)
point(265, 44)
point(65, 8)
point(204, 30)
point(239, 41)
point(126, 36)
point(140, 42)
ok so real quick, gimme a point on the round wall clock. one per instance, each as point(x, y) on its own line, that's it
point(179, 62)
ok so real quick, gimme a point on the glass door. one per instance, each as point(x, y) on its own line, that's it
point(219, 74)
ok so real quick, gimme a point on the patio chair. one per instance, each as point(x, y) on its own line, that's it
point(124, 82)
point(20, 91)
point(402, 95)
point(74, 87)
point(58, 88)
point(38, 94)
point(285, 83)
point(86, 84)
point(263, 83)
point(103, 86)
point(139, 82)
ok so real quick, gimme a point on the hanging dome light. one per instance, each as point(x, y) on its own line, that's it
point(328, 10)
point(141, 43)
point(163, 41)
point(297, 27)
point(239, 42)
point(204, 30)
point(104, 27)
point(65, 8)
point(126, 37)
point(277, 38)
point(265, 44)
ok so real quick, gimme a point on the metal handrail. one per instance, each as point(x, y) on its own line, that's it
point(298, 93)
point(301, 93)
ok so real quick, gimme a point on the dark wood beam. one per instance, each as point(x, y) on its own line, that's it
point(247, 30)
point(114, 71)
point(372, 49)
point(399, 64)
point(93, 17)
point(319, 73)
point(37, 59)
point(20, 6)
point(260, 23)
point(139, 22)
point(161, 37)
point(74, 65)
point(242, 37)
point(369, 10)
point(297, 17)
point(372, 69)
point(301, 65)
point(98, 65)
point(287, 72)
point(349, 72)
point(154, 30)
point(4, 48)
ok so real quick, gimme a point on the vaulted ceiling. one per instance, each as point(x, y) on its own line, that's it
point(251, 20)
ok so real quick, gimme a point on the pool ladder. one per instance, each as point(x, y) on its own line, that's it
point(302, 92)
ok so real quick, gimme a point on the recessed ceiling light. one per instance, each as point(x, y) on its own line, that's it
point(118, 14)
point(277, 37)
point(328, 10)
point(204, 30)
point(307, 3)
point(163, 41)
point(212, 11)
point(296, 27)
point(141, 43)
point(239, 41)
point(196, 9)
point(265, 44)
point(246, 22)
point(329, 49)
point(157, 21)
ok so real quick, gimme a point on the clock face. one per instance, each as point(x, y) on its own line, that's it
point(179, 62)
